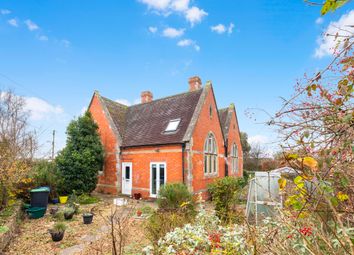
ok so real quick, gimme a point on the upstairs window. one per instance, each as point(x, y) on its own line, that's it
point(172, 125)
point(234, 158)
point(210, 155)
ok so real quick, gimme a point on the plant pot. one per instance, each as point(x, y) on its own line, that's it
point(137, 196)
point(57, 236)
point(55, 201)
point(53, 210)
point(63, 199)
point(139, 213)
point(87, 218)
point(69, 216)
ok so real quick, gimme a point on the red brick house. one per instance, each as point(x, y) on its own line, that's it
point(181, 138)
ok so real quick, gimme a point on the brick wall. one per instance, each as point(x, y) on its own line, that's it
point(204, 125)
point(234, 137)
point(141, 157)
point(107, 182)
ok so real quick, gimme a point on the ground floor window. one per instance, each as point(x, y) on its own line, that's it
point(157, 177)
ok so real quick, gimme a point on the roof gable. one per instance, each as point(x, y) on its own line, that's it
point(145, 124)
point(225, 116)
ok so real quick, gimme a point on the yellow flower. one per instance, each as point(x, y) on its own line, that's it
point(342, 196)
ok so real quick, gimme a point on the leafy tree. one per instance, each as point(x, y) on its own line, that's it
point(17, 144)
point(246, 147)
point(79, 162)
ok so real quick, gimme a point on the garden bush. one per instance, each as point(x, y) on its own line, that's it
point(85, 199)
point(204, 236)
point(160, 223)
point(224, 193)
point(44, 173)
point(175, 196)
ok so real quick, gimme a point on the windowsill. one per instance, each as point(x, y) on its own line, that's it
point(210, 175)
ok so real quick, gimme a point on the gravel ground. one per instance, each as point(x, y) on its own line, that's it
point(33, 237)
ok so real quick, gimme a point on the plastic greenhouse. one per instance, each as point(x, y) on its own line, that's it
point(264, 197)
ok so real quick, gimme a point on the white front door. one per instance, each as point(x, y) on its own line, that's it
point(157, 177)
point(127, 172)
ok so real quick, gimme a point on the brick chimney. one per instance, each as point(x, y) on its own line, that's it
point(195, 83)
point(146, 97)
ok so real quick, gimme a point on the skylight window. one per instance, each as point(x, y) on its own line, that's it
point(172, 125)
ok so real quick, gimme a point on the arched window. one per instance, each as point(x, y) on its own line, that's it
point(210, 155)
point(234, 158)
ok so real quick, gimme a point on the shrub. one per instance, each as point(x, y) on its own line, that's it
point(45, 173)
point(175, 196)
point(204, 236)
point(85, 199)
point(160, 223)
point(224, 193)
point(79, 162)
point(58, 216)
point(147, 210)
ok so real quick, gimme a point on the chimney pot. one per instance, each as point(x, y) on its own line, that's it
point(146, 97)
point(195, 83)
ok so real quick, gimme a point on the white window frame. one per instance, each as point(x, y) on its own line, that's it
point(157, 174)
point(210, 156)
point(171, 122)
point(234, 158)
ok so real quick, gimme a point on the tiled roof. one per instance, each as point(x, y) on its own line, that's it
point(118, 113)
point(224, 120)
point(144, 124)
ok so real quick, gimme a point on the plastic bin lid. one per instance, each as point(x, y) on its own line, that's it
point(41, 189)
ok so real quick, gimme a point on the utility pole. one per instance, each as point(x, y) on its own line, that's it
point(53, 144)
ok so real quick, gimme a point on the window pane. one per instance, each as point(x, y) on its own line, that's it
point(205, 164)
point(215, 159)
point(172, 125)
point(209, 163)
point(162, 175)
point(153, 179)
point(127, 172)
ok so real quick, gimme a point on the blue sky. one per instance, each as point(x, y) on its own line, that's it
point(56, 53)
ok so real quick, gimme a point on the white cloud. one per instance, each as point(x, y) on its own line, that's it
point(171, 32)
point(123, 101)
point(5, 11)
point(43, 38)
point(157, 4)
point(40, 109)
point(66, 43)
point(153, 30)
point(31, 25)
point(195, 15)
point(220, 29)
point(327, 45)
point(191, 14)
point(230, 28)
point(180, 5)
point(258, 139)
point(185, 42)
point(127, 102)
point(319, 21)
point(188, 42)
point(13, 22)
